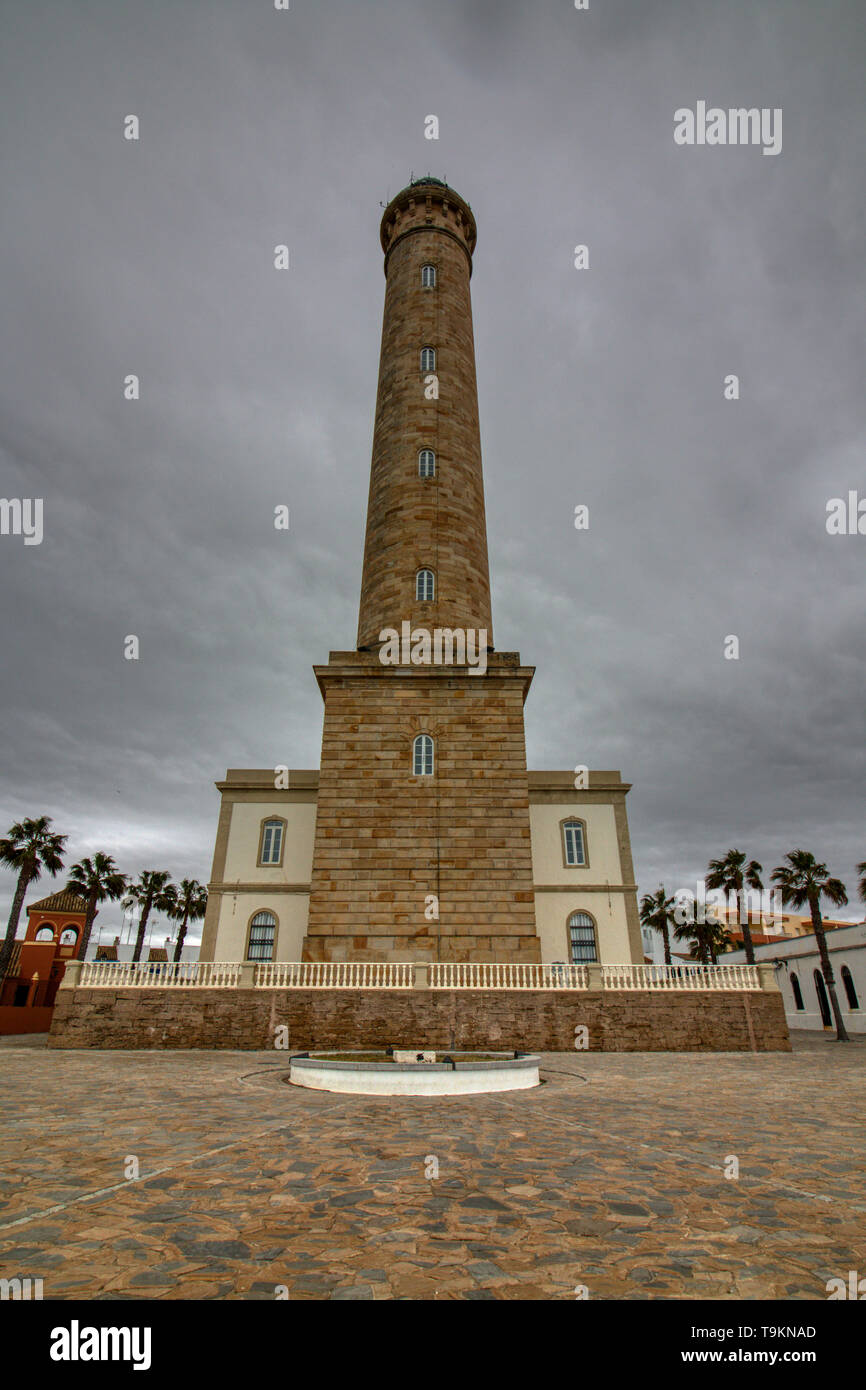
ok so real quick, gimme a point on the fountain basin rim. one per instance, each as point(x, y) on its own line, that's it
point(524, 1061)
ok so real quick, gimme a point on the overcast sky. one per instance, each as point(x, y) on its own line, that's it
point(601, 386)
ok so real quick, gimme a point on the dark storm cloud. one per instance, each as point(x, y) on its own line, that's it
point(601, 387)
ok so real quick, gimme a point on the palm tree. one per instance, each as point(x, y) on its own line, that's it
point(708, 938)
point(149, 892)
point(861, 886)
point(30, 846)
point(188, 904)
point(803, 880)
point(657, 910)
point(97, 880)
point(731, 873)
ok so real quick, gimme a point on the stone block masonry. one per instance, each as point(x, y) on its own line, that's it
point(522, 1020)
point(387, 842)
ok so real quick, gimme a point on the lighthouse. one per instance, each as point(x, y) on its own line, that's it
point(422, 837)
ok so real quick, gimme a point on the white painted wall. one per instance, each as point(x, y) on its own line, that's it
point(243, 845)
point(847, 946)
point(552, 911)
point(601, 843)
point(290, 909)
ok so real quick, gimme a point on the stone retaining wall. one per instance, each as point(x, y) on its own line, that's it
point(526, 1020)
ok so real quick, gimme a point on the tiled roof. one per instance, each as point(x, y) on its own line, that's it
point(66, 901)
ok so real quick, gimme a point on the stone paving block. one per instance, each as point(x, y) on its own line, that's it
point(521, 1212)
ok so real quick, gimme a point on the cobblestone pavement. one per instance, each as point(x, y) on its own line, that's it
point(610, 1175)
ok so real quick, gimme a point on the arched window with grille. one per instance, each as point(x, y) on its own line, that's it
point(428, 359)
point(263, 932)
point(426, 464)
point(425, 586)
point(422, 756)
point(850, 990)
point(798, 993)
point(581, 938)
point(428, 277)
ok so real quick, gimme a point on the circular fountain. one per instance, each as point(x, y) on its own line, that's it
point(414, 1072)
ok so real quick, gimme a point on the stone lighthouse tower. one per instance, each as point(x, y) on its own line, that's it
point(422, 840)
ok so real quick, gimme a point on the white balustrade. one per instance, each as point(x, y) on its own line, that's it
point(114, 974)
point(335, 974)
point(448, 974)
point(680, 977)
point(366, 974)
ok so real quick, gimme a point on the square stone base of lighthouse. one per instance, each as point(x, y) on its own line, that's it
point(365, 861)
point(422, 860)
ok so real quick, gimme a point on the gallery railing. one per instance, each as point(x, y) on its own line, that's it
point(116, 974)
point(448, 974)
point(335, 974)
point(412, 975)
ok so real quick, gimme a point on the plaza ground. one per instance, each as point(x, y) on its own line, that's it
point(610, 1175)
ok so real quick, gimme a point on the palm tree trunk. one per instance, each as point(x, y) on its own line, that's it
point(88, 926)
point(12, 927)
point(748, 944)
point(827, 970)
point(180, 937)
point(667, 941)
point(142, 928)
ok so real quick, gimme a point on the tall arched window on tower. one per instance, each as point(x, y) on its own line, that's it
point(422, 756)
point(425, 586)
point(581, 938)
point(428, 277)
point(426, 464)
point(271, 842)
point(428, 359)
point(574, 844)
point(263, 931)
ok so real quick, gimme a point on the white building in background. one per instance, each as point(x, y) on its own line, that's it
point(158, 949)
point(765, 929)
point(799, 977)
point(113, 942)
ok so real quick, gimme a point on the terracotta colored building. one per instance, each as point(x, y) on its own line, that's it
point(52, 937)
point(423, 835)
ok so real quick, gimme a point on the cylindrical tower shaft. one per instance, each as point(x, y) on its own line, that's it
point(426, 502)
